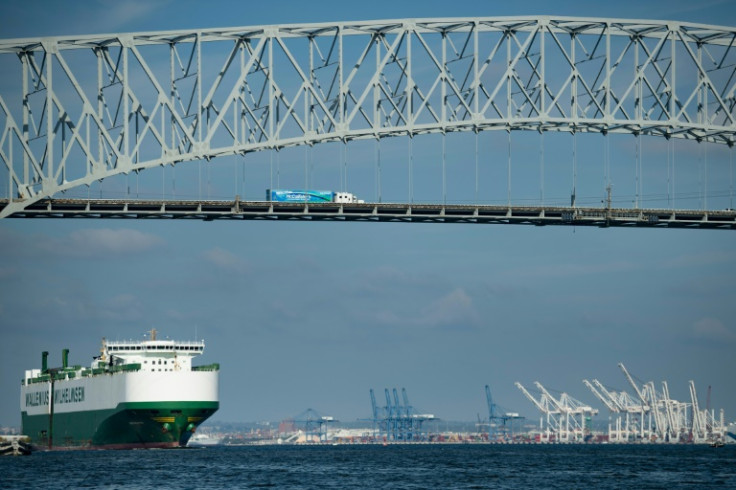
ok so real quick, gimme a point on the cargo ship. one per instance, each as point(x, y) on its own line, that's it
point(135, 394)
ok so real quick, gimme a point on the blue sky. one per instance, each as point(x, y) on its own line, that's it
point(313, 315)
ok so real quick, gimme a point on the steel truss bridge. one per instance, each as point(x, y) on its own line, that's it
point(77, 110)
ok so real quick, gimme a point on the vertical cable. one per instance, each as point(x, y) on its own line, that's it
point(674, 193)
point(411, 169)
point(508, 170)
point(573, 197)
point(306, 167)
point(705, 176)
point(669, 157)
point(378, 166)
point(607, 165)
point(541, 167)
point(476, 166)
point(641, 171)
point(444, 175)
point(637, 163)
point(730, 163)
point(345, 188)
point(342, 166)
point(700, 173)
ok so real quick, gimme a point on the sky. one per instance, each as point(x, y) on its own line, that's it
point(313, 315)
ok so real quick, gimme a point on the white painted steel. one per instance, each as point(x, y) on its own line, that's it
point(107, 391)
point(162, 98)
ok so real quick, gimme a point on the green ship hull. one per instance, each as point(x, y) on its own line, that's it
point(129, 425)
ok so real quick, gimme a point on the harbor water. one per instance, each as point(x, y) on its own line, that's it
point(440, 466)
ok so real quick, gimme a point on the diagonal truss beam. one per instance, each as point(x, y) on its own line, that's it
point(162, 98)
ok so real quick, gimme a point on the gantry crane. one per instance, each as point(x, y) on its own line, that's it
point(314, 423)
point(397, 422)
point(494, 417)
point(547, 407)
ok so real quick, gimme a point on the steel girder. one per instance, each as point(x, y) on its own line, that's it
point(74, 110)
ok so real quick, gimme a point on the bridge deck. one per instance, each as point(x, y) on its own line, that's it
point(379, 212)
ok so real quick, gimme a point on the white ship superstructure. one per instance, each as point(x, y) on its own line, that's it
point(136, 393)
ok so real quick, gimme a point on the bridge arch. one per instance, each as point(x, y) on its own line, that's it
point(74, 110)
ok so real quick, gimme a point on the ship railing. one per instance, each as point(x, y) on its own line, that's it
point(155, 345)
point(207, 367)
point(125, 368)
point(72, 372)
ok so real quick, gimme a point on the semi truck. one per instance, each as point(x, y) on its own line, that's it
point(310, 196)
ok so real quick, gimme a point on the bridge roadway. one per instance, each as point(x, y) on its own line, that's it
point(376, 212)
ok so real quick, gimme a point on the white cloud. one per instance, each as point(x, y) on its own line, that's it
point(225, 260)
point(575, 269)
point(713, 329)
point(453, 310)
point(700, 260)
point(83, 243)
point(103, 242)
point(120, 13)
point(123, 307)
point(115, 15)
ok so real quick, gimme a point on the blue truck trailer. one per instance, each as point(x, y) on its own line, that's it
point(309, 196)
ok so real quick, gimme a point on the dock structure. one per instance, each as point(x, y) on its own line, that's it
point(396, 422)
point(567, 419)
point(498, 431)
point(307, 427)
point(651, 415)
